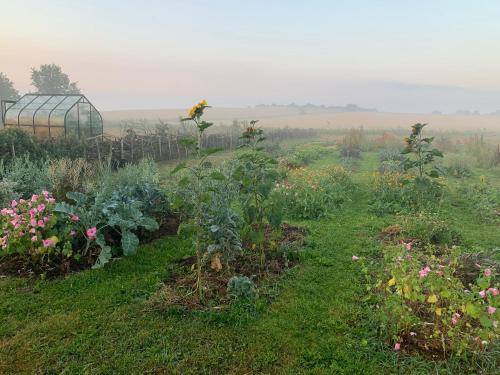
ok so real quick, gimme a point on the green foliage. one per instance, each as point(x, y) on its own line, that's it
point(27, 176)
point(391, 154)
point(241, 288)
point(427, 306)
point(429, 228)
point(421, 155)
point(303, 155)
point(481, 196)
point(459, 166)
point(7, 90)
point(398, 192)
point(312, 194)
point(118, 214)
point(50, 79)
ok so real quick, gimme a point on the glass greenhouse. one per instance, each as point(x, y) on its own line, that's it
point(57, 115)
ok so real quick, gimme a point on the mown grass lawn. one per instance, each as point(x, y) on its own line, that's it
point(97, 322)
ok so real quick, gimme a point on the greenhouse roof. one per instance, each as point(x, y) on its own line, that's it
point(54, 114)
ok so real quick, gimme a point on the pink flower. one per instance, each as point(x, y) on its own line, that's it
point(4, 211)
point(407, 245)
point(423, 272)
point(33, 223)
point(47, 243)
point(454, 321)
point(13, 204)
point(354, 258)
point(482, 293)
point(493, 291)
point(33, 212)
point(51, 200)
point(34, 198)
point(22, 201)
point(45, 194)
point(491, 310)
point(74, 218)
point(13, 222)
point(487, 272)
point(45, 219)
point(32, 230)
point(21, 234)
point(41, 224)
point(34, 238)
point(397, 346)
point(41, 207)
point(91, 232)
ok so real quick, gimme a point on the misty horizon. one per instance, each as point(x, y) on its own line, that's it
point(390, 56)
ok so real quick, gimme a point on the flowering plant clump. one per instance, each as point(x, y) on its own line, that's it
point(310, 194)
point(428, 306)
point(32, 228)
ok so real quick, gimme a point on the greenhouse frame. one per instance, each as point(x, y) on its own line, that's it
point(53, 115)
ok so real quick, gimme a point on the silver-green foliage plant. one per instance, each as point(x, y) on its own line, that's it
point(242, 288)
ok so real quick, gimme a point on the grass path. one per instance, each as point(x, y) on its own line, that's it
point(95, 321)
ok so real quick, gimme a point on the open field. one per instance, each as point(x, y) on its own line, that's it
point(297, 118)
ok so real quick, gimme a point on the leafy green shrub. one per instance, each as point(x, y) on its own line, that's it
point(311, 194)
point(390, 166)
point(66, 175)
point(398, 192)
point(303, 155)
point(481, 196)
point(426, 306)
point(29, 176)
point(391, 154)
point(101, 218)
point(241, 288)
point(428, 228)
point(458, 166)
point(7, 192)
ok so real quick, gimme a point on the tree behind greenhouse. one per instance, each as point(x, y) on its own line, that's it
point(50, 79)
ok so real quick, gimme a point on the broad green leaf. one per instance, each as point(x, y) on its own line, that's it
point(129, 243)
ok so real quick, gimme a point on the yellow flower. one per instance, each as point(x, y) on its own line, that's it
point(432, 298)
point(438, 311)
point(391, 282)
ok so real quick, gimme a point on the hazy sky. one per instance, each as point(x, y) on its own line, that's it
point(398, 55)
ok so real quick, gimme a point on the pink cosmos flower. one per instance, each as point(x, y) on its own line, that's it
point(408, 245)
point(487, 272)
point(4, 211)
point(74, 218)
point(41, 224)
point(34, 238)
point(33, 212)
point(47, 243)
point(34, 198)
point(13, 204)
point(493, 291)
point(45, 194)
point(91, 232)
point(13, 222)
point(482, 293)
point(33, 223)
point(354, 258)
point(22, 201)
point(51, 200)
point(454, 321)
point(32, 230)
point(21, 234)
point(491, 310)
point(41, 207)
point(45, 219)
point(397, 346)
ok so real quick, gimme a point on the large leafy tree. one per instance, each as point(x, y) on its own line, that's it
point(50, 79)
point(7, 90)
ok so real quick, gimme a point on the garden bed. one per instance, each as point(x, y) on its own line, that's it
point(178, 289)
point(17, 265)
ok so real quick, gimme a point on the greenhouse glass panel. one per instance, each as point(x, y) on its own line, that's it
point(47, 115)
